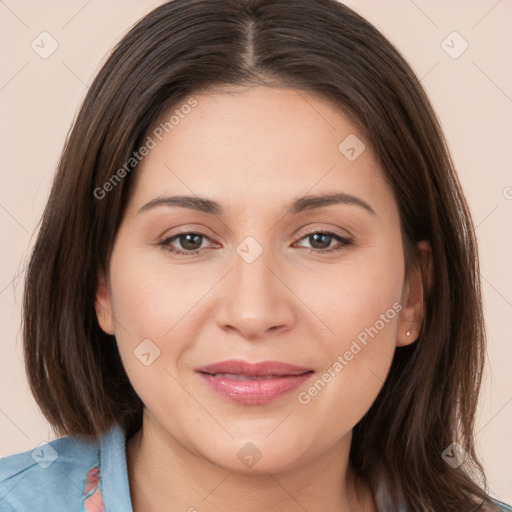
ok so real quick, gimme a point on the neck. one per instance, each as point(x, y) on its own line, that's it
point(162, 472)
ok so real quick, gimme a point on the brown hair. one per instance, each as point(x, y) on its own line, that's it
point(323, 47)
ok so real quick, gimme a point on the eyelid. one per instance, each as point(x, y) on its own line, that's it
point(186, 229)
point(335, 230)
point(165, 241)
point(301, 233)
point(343, 241)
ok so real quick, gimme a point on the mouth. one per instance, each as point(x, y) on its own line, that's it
point(253, 383)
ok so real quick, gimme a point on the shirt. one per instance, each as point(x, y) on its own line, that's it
point(71, 474)
point(68, 474)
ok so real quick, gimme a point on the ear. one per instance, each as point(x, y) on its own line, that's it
point(103, 305)
point(413, 311)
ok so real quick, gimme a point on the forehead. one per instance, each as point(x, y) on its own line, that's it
point(257, 144)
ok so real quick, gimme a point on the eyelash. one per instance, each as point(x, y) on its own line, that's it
point(166, 243)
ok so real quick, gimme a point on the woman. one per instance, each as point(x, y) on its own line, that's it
point(255, 286)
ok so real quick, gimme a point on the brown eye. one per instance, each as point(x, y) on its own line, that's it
point(321, 241)
point(189, 243)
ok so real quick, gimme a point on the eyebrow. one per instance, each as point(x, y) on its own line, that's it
point(299, 205)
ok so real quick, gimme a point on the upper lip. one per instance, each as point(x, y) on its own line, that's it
point(261, 369)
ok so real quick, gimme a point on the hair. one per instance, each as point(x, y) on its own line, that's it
point(322, 47)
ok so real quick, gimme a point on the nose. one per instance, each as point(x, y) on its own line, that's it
point(255, 301)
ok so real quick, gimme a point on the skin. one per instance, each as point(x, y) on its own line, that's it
point(254, 151)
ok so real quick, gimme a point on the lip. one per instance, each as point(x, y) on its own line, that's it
point(253, 383)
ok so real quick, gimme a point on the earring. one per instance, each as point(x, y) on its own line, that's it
point(408, 333)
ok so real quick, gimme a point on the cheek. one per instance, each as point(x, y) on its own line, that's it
point(360, 304)
point(359, 358)
point(152, 307)
point(354, 295)
point(151, 296)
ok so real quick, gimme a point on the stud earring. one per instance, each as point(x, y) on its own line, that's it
point(408, 333)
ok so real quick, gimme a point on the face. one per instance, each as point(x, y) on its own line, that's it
point(319, 286)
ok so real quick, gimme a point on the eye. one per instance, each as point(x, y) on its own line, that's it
point(190, 243)
point(321, 241)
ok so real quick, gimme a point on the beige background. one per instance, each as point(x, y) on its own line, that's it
point(472, 95)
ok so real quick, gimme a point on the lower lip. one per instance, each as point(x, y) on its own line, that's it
point(254, 392)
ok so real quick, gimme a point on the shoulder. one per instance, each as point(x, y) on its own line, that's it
point(52, 475)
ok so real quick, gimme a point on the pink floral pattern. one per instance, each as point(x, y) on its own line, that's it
point(93, 502)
